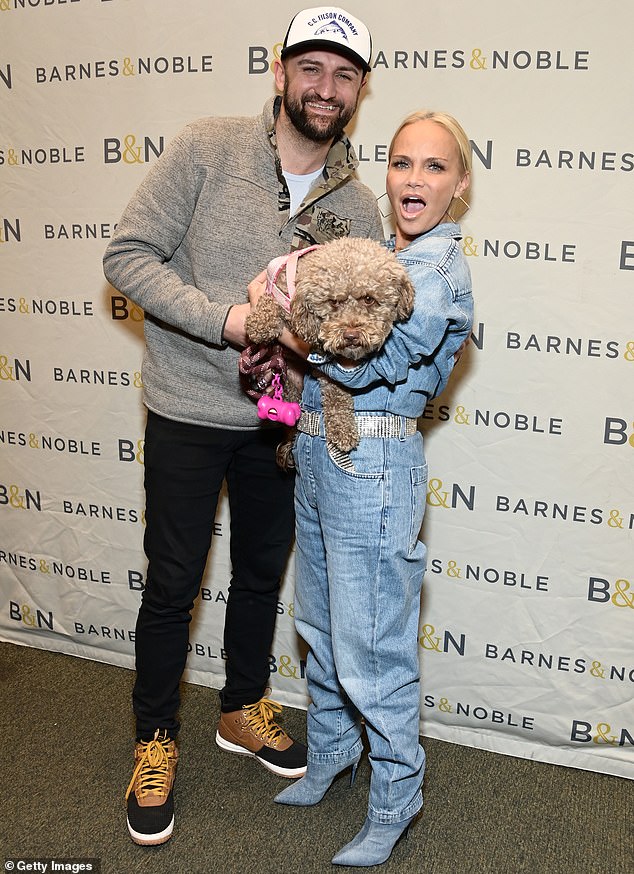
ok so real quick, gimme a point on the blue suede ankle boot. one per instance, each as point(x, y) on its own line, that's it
point(373, 845)
point(314, 784)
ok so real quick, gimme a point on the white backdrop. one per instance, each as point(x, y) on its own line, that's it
point(528, 606)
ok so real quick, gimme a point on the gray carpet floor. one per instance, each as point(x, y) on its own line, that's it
point(67, 757)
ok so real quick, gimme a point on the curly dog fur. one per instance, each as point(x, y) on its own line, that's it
point(348, 294)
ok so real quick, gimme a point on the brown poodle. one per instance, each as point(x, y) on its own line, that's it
point(348, 294)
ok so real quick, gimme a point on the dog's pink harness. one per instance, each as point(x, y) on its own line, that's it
point(258, 360)
point(284, 298)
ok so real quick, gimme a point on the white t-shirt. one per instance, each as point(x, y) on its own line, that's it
point(299, 186)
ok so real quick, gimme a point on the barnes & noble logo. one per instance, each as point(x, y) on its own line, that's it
point(482, 713)
point(618, 594)
point(501, 419)
point(129, 150)
point(40, 307)
point(13, 370)
point(604, 733)
point(126, 67)
point(105, 512)
point(437, 497)
point(537, 660)
point(434, 640)
point(121, 309)
point(581, 347)
point(474, 60)
point(129, 451)
point(31, 617)
point(77, 231)
point(17, 498)
point(107, 632)
point(614, 518)
point(46, 442)
point(53, 155)
point(502, 578)
point(110, 378)
point(54, 568)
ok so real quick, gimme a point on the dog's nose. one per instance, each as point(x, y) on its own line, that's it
point(351, 338)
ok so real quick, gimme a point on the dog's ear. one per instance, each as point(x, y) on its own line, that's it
point(303, 321)
point(406, 294)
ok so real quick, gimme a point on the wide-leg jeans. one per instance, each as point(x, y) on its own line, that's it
point(359, 570)
point(185, 466)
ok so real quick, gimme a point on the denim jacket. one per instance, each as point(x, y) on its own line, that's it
point(414, 364)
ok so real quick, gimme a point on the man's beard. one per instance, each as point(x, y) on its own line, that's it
point(318, 130)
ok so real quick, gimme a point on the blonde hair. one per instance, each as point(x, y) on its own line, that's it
point(451, 125)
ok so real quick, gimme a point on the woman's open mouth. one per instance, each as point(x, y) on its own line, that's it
point(412, 205)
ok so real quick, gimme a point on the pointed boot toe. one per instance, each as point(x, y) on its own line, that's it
point(373, 845)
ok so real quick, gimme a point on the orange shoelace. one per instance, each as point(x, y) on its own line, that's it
point(153, 768)
point(261, 718)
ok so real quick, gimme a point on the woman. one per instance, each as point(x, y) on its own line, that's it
point(360, 563)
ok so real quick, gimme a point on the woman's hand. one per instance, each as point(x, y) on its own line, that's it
point(458, 353)
point(295, 370)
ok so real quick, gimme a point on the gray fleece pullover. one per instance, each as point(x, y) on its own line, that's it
point(209, 216)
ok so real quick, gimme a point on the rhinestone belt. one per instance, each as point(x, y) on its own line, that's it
point(367, 426)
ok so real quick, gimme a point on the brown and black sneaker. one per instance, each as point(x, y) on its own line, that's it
point(252, 731)
point(149, 797)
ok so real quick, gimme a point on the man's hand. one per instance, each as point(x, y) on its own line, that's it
point(234, 332)
point(256, 288)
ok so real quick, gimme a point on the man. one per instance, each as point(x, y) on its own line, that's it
point(227, 196)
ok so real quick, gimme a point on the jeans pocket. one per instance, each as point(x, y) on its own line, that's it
point(340, 458)
point(366, 461)
point(418, 492)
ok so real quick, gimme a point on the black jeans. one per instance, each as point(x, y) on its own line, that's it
point(185, 466)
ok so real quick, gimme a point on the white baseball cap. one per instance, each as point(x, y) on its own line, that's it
point(330, 29)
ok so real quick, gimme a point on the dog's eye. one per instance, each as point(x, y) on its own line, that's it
point(368, 300)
